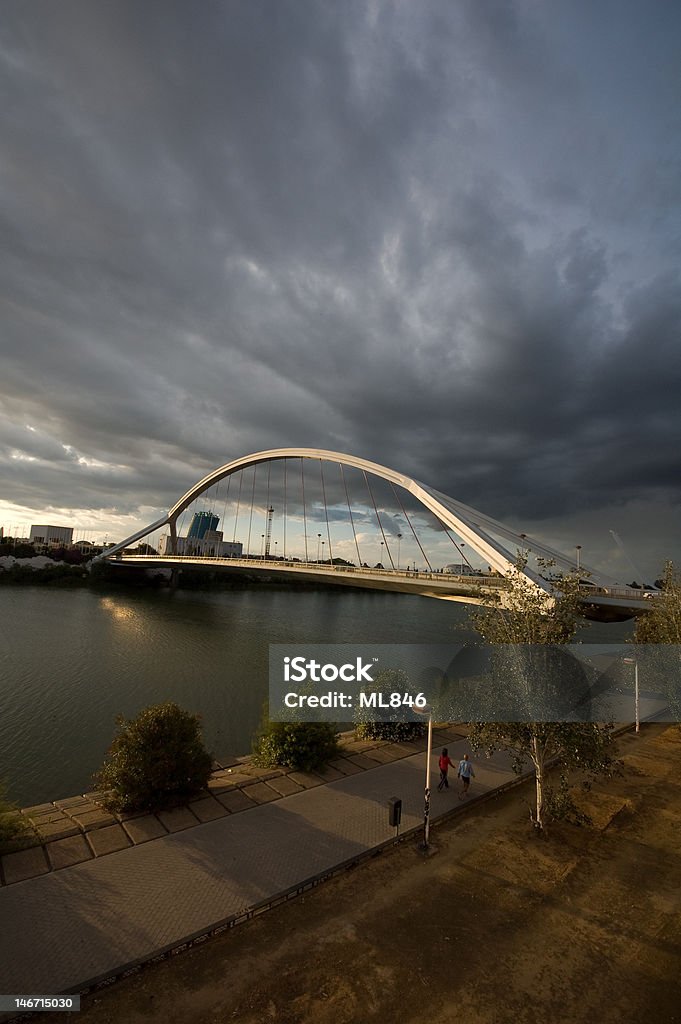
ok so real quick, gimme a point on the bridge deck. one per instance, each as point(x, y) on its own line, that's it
point(605, 604)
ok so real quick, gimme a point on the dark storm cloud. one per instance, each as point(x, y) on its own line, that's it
point(442, 236)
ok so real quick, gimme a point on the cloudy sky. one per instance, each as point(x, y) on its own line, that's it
point(443, 235)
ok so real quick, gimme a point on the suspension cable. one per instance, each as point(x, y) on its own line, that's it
point(378, 518)
point(267, 511)
point(250, 518)
point(238, 503)
point(285, 507)
point(224, 507)
point(404, 513)
point(326, 511)
point(459, 549)
point(352, 521)
point(302, 478)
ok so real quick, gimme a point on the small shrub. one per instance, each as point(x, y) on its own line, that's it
point(12, 825)
point(300, 745)
point(396, 732)
point(384, 724)
point(157, 760)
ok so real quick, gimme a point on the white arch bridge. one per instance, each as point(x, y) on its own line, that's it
point(320, 516)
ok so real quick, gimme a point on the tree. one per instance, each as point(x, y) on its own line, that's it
point(386, 724)
point(157, 760)
point(532, 680)
point(658, 636)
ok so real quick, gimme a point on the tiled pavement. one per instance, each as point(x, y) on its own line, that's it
point(76, 829)
point(100, 899)
point(81, 909)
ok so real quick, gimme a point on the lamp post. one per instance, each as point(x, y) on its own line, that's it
point(399, 538)
point(381, 554)
point(427, 710)
point(319, 540)
point(323, 542)
point(637, 716)
point(578, 548)
point(262, 546)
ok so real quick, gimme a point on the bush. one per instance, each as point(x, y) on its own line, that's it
point(157, 760)
point(301, 745)
point(12, 825)
point(396, 732)
point(377, 724)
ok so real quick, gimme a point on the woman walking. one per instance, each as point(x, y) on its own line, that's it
point(444, 764)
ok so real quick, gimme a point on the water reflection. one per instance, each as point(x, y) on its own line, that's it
point(70, 662)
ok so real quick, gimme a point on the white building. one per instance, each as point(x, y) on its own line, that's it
point(52, 535)
point(210, 546)
point(461, 569)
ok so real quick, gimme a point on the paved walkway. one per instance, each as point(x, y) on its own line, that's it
point(66, 929)
point(68, 925)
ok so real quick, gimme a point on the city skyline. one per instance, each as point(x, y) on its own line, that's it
point(441, 237)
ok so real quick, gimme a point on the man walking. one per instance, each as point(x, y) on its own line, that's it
point(465, 772)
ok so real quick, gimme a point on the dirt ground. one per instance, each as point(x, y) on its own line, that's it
point(497, 926)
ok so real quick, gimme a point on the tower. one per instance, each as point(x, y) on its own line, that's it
point(201, 523)
point(268, 533)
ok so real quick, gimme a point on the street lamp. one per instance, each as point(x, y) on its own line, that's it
point(323, 542)
point(262, 546)
point(578, 548)
point(637, 717)
point(427, 710)
point(319, 540)
point(399, 538)
point(381, 554)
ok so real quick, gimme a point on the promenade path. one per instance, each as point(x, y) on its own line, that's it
point(78, 909)
point(66, 929)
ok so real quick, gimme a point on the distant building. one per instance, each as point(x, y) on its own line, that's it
point(202, 523)
point(210, 546)
point(461, 569)
point(86, 546)
point(61, 536)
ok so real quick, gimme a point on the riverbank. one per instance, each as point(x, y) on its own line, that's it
point(583, 925)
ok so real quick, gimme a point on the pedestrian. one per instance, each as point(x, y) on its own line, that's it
point(444, 764)
point(465, 773)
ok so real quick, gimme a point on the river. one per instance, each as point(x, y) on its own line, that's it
point(72, 660)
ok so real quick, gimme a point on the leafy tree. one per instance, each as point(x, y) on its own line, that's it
point(529, 677)
point(377, 724)
point(157, 760)
point(658, 636)
point(300, 745)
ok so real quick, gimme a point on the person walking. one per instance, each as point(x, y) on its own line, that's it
point(465, 773)
point(444, 764)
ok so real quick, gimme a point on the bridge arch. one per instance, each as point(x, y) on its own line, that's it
point(494, 542)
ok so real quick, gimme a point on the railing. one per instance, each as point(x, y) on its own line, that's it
point(286, 563)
